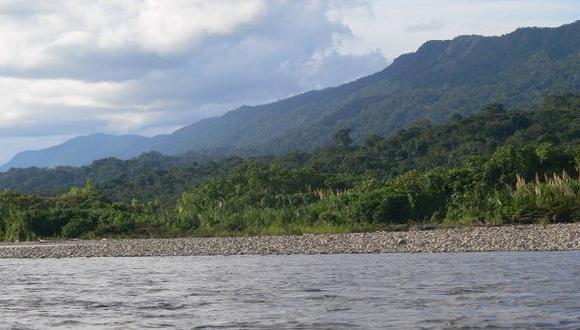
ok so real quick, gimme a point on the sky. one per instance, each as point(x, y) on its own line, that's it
point(76, 67)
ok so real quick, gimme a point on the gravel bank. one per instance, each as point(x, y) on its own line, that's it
point(507, 238)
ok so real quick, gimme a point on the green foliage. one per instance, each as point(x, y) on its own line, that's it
point(492, 168)
point(507, 162)
point(79, 212)
point(18, 228)
point(383, 206)
point(554, 199)
point(150, 176)
point(342, 137)
point(76, 228)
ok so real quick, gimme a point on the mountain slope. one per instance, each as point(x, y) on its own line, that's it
point(81, 151)
point(554, 126)
point(442, 78)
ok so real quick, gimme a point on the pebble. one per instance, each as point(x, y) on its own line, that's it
point(504, 238)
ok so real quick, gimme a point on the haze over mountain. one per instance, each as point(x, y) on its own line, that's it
point(83, 150)
point(440, 79)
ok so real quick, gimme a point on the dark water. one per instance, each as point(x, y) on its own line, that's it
point(493, 290)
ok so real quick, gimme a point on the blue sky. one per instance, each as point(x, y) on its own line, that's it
point(70, 68)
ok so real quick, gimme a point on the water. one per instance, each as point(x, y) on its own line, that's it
point(495, 290)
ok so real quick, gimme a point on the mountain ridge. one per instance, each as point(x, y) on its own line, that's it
point(441, 78)
point(103, 146)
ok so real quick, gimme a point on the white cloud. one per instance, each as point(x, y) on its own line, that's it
point(149, 66)
point(158, 26)
point(26, 101)
point(397, 27)
point(164, 26)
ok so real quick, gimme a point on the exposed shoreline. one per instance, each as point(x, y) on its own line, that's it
point(556, 237)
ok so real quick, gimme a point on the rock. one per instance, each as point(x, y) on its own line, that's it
point(507, 238)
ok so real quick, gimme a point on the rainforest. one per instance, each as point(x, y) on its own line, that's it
point(498, 166)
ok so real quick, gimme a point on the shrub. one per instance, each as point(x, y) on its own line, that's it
point(383, 206)
point(18, 227)
point(77, 228)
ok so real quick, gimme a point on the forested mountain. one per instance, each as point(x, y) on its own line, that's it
point(422, 146)
point(149, 176)
point(442, 78)
point(493, 167)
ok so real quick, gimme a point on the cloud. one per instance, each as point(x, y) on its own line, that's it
point(425, 26)
point(32, 106)
point(400, 27)
point(136, 26)
point(140, 65)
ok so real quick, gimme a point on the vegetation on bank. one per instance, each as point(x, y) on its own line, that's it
point(495, 167)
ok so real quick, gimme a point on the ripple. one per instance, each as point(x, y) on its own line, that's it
point(485, 290)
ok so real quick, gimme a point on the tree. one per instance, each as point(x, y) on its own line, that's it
point(495, 108)
point(456, 118)
point(373, 140)
point(342, 137)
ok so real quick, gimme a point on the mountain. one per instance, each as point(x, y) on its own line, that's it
point(82, 150)
point(554, 126)
point(440, 79)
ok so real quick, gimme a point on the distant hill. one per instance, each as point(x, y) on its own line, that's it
point(441, 79)
point(82, 150)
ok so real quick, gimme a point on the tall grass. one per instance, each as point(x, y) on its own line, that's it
point(554, 198)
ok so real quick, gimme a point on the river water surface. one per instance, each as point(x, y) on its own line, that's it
point(493, 290)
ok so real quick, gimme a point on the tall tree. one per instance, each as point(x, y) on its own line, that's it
point(342, 137)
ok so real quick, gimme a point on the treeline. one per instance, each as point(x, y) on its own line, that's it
point(423, 146)
point(495, 167)
point(150, 176)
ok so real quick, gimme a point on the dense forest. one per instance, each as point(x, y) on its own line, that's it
point(497, 166)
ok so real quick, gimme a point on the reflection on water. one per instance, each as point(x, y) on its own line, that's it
point(511, 290)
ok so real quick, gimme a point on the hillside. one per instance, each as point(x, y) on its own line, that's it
point(82, 150)
point(442, 78)
point(495, 167)
point(422, 146)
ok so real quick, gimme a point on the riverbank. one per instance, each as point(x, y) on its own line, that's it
point(556, 237)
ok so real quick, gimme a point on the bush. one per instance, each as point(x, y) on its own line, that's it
point(555, 199)
point(77, 228)
point(383, 206)
point(18, 227)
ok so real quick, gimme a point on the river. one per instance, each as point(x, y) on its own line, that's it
point(375, 291)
